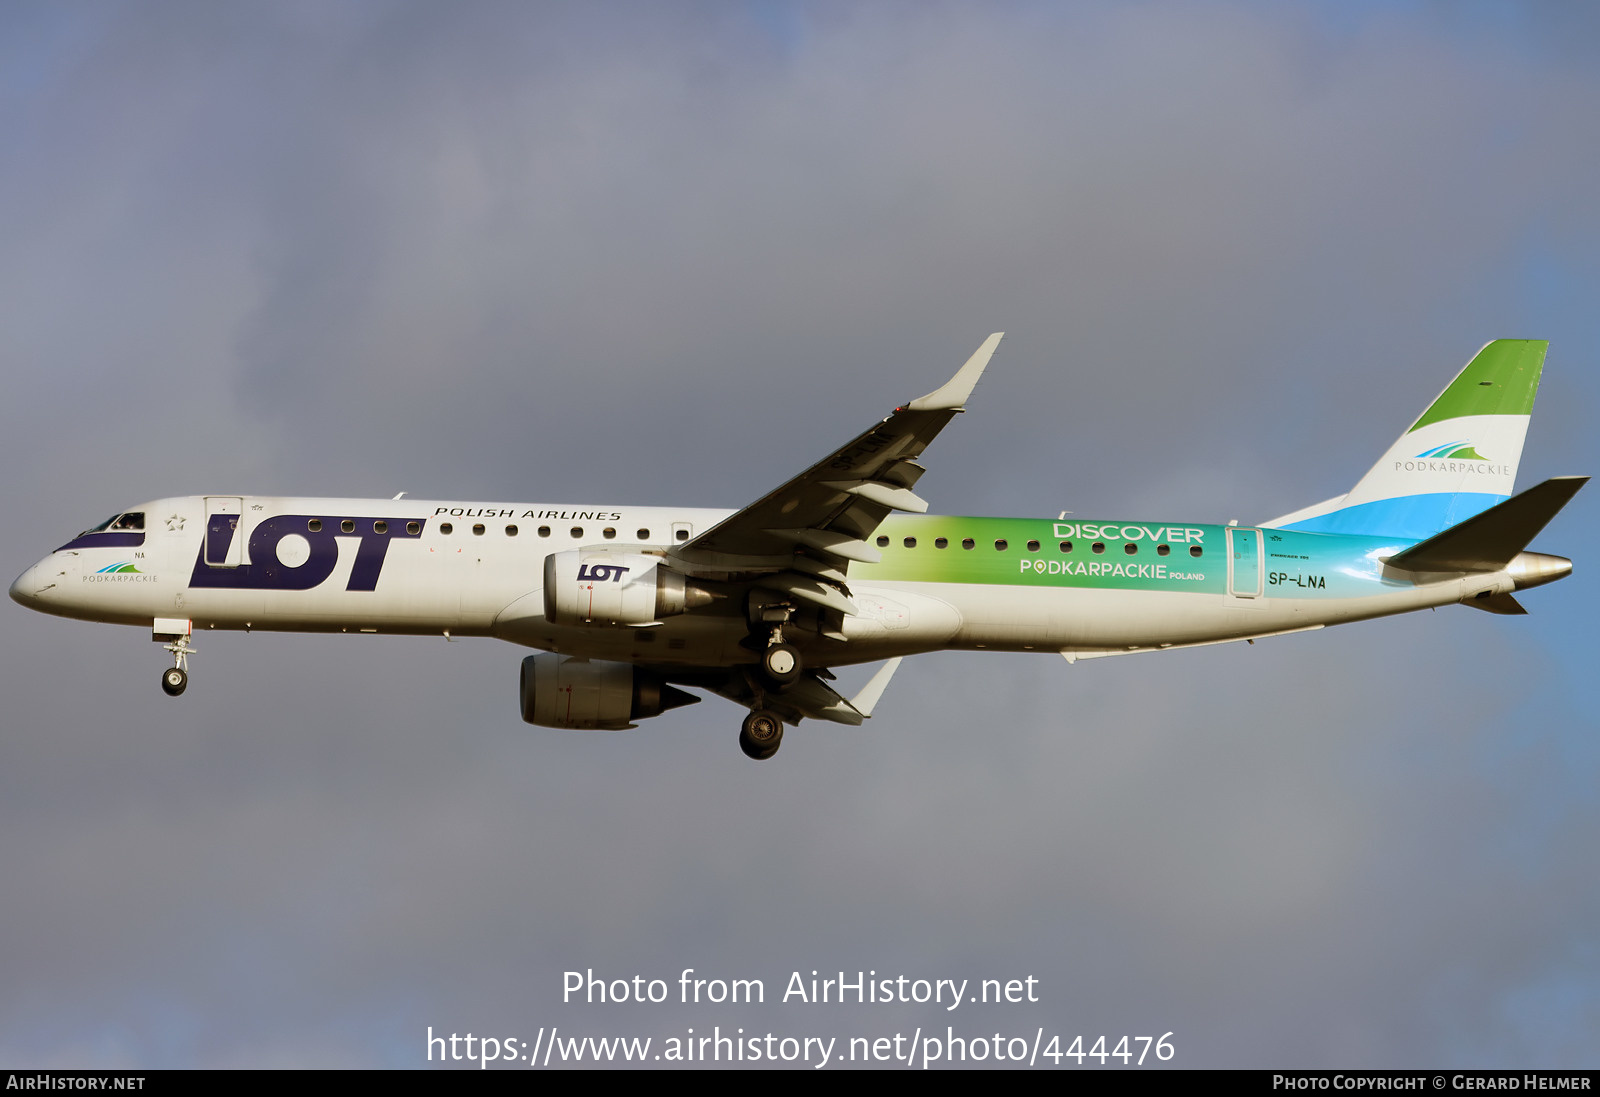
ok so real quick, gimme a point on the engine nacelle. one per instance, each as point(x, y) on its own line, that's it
point(564, 691)
point(614, 588)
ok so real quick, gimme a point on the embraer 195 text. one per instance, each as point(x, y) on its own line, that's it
point(840, 565)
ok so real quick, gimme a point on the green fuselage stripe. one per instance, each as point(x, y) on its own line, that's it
point(1160, 556)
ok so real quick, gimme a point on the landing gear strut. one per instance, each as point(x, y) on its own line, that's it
point(781, 665)
point(761, 734)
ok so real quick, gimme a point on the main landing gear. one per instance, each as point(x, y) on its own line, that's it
point(781, 664)
point(781, 667)
point(761, 734)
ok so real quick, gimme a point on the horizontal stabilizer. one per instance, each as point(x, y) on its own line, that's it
point(1492, 539)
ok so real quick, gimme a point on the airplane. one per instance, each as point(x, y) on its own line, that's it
point(841, 565)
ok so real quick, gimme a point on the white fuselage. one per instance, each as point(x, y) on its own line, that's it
point(429, 567)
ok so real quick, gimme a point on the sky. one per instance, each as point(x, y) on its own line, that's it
point(672, 254)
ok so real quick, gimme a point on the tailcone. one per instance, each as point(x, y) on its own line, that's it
point(1534, 569)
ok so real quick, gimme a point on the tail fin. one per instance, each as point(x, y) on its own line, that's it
point(1458, 459)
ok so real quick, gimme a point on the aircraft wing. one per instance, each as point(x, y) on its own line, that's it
point(812, 697)
point(804, 536)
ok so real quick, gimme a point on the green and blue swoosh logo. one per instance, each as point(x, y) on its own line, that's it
point(1460, 450)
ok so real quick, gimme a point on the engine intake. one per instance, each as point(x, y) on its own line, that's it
point(564, 691)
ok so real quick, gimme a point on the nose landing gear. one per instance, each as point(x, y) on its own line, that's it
point(175, 679)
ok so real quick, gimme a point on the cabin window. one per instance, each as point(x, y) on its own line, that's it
point(380, 526)
point(477, 530)
point(1098, 547)
point(544, 531)
point(577, 531)
point(609, 533)
point(967, 542)
point(682, 534)
point(911, 542)
point(643, 535)
point(315, 525)
point(347, 526)
point(941, 542)
point(413, 528)
point(1130, 548)
point(883, 542)
point(1000, 545)
point(511, 531)
point(1066, 546)
point(1033, 546)
point(1194, 550)
point(1163, 550)
point(446, 528)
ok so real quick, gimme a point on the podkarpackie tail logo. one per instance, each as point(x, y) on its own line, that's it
point(1459, 450)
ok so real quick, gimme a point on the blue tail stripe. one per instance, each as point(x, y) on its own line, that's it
point(1413, 516)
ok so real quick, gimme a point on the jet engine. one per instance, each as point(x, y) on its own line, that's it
point(564, 691)
point(613, 588)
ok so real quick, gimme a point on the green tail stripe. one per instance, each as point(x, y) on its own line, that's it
point(1502, 380)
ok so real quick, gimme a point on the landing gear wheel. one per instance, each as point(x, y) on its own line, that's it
point(174, 680)
point(781, 664)
point(761, 735)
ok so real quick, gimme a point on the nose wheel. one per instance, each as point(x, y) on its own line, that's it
point(175, 679)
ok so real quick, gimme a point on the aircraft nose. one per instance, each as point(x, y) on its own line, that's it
point(26, 590)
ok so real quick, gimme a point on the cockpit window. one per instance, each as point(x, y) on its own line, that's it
point(102, 527)
point(119, 529)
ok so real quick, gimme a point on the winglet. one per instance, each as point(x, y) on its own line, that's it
point(865, 701)
point(953, 396)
